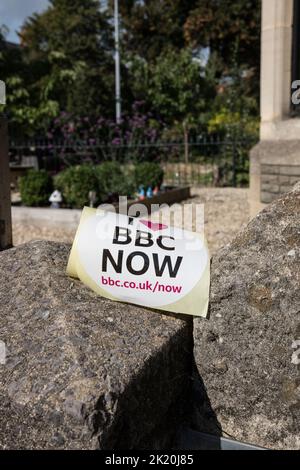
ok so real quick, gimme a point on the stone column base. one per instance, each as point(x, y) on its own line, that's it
point(274, 170)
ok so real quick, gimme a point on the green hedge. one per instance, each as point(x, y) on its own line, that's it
point(148, 174)
point(114, 180)
point(75, 183)
point(35, 188)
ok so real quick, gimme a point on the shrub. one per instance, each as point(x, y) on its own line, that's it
point(128, 187)
point(110, 178)
point(148, 174)
point(35, 188)
point(75, 183)
point(113, 181)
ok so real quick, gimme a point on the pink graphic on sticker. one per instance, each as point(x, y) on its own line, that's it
point(154, 225)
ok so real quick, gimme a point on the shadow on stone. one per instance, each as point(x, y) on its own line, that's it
point(202, 418)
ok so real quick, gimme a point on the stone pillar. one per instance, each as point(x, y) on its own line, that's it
point(5, 204)
point(275, 161)
point(276, 57)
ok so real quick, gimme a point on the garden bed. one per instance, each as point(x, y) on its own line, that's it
point(69, 218)
point(170, 196)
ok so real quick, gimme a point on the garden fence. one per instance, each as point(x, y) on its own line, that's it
point(209, 161)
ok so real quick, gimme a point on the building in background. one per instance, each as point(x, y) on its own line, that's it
point(275, 160)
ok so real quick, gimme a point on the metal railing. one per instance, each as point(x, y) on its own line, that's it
point(5, 208)
point(208, 161)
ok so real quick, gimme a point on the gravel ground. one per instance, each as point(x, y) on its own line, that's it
point(225, 212)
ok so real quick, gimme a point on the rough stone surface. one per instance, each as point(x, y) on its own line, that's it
point(248, 350)
point(82, 372)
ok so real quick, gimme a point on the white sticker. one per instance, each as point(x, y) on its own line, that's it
point(141, 262)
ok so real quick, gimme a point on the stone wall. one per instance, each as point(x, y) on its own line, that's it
point(274, 170)
point(277, 179)
point(81, 371)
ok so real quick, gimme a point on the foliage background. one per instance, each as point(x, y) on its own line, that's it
point(193, 64)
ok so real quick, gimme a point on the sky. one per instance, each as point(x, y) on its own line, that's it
point(14, 12)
